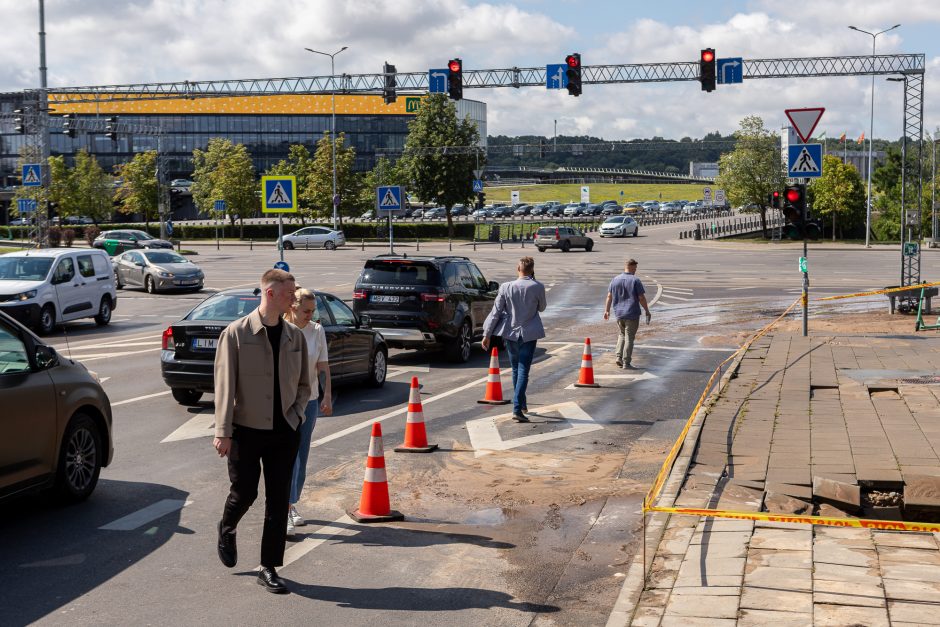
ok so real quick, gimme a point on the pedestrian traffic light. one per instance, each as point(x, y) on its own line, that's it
point(391, 82)
point(707, 71)
point(794, 210)
point(481, 200)
point(541, 149)
point(68, 124)
point(775, 200)
point(111, 128)
point(573, 72)
point(19, 122)
point(455, 79)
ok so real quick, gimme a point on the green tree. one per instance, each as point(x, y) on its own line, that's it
point(320, 183)
point(437, 175)
point(299, 164)
point(89, 190)
point(385, 172)
point(224, 171)
point(839, 195)
point(754, 169)
point(140, 192)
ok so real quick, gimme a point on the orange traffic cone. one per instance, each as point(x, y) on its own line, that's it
point(494, 388)
point(586, 376)
point(374, 505)
point(416, 437)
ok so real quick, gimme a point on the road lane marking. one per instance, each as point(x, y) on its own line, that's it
point(97, 356)
point(140, 398)
point(680, 290)
point(338, 527)
point(143, 516)
point(677, 297)
point(486, 439)
point(659, 293)
point(199, 426)
point(631, 378)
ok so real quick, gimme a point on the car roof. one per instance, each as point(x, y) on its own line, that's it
point(52, 252)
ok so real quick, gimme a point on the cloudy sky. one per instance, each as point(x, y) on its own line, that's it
point(95, 42)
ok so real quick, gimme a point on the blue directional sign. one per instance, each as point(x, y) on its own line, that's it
point(388, 198)
point(169, 228)
point(279, 194)
point(477, 186)
point(25, 205)
point(281, 265)
point(32, 175)
point(730, 70)
point(219, 206)
point(556, 76)
point(805, 161)
point(437, 81)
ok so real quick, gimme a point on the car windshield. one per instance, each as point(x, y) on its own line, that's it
point(225, 307)
point(165, 257)
point(24, 268)
point(400, 273)
point(614, 220)
point(140, 235)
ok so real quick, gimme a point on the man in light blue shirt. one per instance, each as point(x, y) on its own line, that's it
point(627, 295)
point(515, 318)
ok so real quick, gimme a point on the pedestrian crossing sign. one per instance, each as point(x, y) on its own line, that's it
point(32, 176)
point(388, 198)
point(805, 161)
point(279, 194)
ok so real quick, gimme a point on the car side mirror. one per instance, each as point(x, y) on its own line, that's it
point(365, 321)
point(46, 357)
point(493, 286)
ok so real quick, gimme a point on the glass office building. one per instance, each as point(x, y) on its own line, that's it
point(266, 125)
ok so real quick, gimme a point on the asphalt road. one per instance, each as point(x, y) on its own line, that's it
point(538, 532)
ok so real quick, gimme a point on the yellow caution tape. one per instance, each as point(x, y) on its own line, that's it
point(861, 523)
point(653, 493)
point(884, 291)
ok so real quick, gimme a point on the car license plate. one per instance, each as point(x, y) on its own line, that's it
point(380, 298)
point(205, 343)
point(187, 282)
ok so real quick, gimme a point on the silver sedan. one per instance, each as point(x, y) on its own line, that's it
point(314, 237)
point(157, 270)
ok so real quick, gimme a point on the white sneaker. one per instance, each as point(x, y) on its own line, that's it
point(294, 517)
point(290, 528)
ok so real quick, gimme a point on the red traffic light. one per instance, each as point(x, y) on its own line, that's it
point(572, 60)
point(793, 195)
point(454, 65)
point(708, 55)
point(776, 195)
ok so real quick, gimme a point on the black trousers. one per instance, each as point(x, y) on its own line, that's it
point(274, 451)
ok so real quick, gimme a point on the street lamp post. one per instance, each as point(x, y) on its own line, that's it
point(871, 127)
point(332, 123)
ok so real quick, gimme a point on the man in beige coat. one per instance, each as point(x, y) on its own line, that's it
point(262, 386)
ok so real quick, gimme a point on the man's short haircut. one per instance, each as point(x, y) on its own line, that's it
point(527, 265)
point(273, 276)
point(631, 262)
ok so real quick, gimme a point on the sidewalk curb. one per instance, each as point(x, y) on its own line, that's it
point(625, 607)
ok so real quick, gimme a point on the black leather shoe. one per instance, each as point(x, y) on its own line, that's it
point(269, 578)
point(228, 552)
point(519, 417)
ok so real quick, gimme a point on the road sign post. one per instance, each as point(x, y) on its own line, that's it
point(707, 195)
point(279, 195)
point(388, 199)
point(585, 193)
point(220, 207)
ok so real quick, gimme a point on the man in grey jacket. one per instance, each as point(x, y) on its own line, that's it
point(515, 318)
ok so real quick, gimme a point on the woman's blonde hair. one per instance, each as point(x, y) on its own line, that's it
point(300, 295)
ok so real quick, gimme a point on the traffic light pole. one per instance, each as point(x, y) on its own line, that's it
point(805, 289)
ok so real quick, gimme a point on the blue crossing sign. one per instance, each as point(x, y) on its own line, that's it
point(279, 194)
point(32, 175)
point(25, 205)
point(556, 76)
point(388, 198)
point(730, 70)
point(437, 81)
point(219, 206)
point(804, 161)
point(477, 186)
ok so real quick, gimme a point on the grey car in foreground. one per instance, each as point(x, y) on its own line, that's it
point(157, 270)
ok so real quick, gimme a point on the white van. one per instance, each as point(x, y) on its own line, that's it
point(44, 287)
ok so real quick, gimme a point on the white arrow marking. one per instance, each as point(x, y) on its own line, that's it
point(559, 78)
point(143, 516)
point(485, 437)
point(724, 70)
point(200, 426)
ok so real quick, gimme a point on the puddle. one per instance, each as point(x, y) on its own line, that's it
point(488, 516)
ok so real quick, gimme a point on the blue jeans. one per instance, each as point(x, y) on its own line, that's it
point(520, 357)
point(299, 475)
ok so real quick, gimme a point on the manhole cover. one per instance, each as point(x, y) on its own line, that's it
point(927, 380)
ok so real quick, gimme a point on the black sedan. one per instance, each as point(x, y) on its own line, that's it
point(357, 353)
point(116, 242)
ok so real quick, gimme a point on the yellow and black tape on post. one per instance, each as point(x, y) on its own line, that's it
point(858, 523)
point(878, 292)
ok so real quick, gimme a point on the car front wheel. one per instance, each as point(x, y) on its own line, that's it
point(379, 368)
point(150, 285)
point(636, 231)
point(46, 320)
point(80, 460)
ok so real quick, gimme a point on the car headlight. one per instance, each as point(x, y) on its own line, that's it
point(164, 274)
point(200, 275)
point(24, 295)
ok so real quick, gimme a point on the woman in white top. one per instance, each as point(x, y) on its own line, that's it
point(303, 314)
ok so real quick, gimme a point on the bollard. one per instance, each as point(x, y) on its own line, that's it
point(306, 244)
point(501, 243)
point(522, 239)
point(251, 244)
point(474, 243)
point(450, 244)
point(363, 243)
point(417, 244)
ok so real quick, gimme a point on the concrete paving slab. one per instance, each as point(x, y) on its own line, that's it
point(912, 613)
point(789, 539)
point(909, 556)
point(762, 618)
point(773, 599)
point(795, 579)
point(910, 571)
point(844, 616)
point(689, 621)
point(907, 590)
point(718, 591)
point(702, 606)
point(779, 559)
point(848, 593)
point(905, 540)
